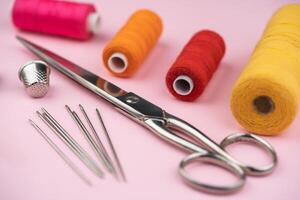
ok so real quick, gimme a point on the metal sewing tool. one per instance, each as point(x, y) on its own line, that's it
point(98, 140)
point(90, 140)
point(166, 126)
point(70, 142)
point(63, 156)
point(111, 147)
point(35, 77)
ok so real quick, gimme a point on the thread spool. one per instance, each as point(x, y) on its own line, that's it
point(266, 96)
point(124, 54)
point(195, 65)
point(60, 18)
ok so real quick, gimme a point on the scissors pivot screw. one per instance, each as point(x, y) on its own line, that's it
point(132, 99)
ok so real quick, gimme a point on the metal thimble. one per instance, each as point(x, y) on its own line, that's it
point(35, 77)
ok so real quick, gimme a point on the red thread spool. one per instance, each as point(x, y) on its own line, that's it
point(62, 18)
point(195, 65)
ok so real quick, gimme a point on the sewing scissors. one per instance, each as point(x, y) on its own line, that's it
point(166, 126)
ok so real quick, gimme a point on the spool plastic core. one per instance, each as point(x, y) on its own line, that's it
point(183, 85)
point(263, 104)
point(94, 22)
point(118, 62)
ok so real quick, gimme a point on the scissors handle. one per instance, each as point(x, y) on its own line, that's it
point(258, 141)
point(216, 160)
point(207, 144)
point(236, 168)
point(164, 129)
point(184, 135)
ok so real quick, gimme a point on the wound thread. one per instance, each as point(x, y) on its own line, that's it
point(195, 65)
point(60, 18)
point(266, 96)
point(125, 53)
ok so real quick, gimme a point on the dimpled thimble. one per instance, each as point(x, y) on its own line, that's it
point(35, 77)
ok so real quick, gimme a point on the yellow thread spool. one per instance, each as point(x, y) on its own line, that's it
point(130, 46)
point(266, 96)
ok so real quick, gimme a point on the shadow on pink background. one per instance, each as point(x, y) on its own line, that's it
point(30, 170)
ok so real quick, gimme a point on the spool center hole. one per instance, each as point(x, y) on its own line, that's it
point(263, 104)
point(118, 63)
point(183, 86)
point(97, 22)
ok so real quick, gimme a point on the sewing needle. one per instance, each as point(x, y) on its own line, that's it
point(111, 146)
point(65, 158)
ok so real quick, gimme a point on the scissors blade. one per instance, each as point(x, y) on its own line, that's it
point(130, 104)
point(124, 101)
point(80, 75)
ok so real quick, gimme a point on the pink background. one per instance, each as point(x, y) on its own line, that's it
point(29, 168)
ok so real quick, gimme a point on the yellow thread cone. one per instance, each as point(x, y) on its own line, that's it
point(266, 96)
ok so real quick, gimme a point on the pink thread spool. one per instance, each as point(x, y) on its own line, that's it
point(61, 18)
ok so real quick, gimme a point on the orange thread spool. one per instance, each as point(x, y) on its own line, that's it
point(124, 54)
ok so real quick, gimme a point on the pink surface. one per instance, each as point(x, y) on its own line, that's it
point(29, 169)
